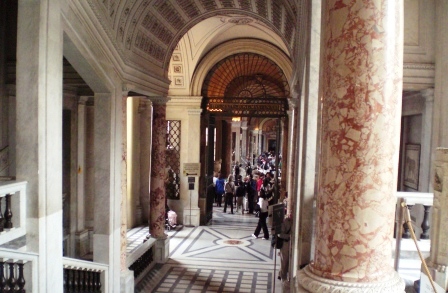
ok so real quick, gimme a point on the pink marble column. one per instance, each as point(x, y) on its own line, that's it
point(360, 91)
point(157, 186)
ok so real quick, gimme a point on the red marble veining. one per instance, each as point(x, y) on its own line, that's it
point(157, 192)
point(361, 96)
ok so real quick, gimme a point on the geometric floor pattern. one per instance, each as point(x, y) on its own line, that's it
point(221, 257)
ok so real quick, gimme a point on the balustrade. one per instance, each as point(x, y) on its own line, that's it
point(12, 210)
point(18, 271)
point(142, 263)
point(82, 280)
point(411, 199)
point(84, 277)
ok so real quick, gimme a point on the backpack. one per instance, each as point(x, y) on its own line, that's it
point(229, 188)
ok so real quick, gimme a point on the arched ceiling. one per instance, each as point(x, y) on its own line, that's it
point(245, 75)
point(150, 30)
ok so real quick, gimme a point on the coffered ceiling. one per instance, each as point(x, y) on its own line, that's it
point(152, 29)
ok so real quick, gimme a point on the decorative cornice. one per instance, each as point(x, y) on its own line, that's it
point(237, 20)
point(420, 66)
point(192, 112)
point(314, 283)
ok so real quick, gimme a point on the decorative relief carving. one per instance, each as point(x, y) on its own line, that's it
point(290, 24)
point(170, 14)
point(179, 81)
point(209, 5)
point(277, 15)
point(429, 66)
point(245, 5)
point(4, 158)
point(438, 183)
point(262, 8)
point(177, 68)
point(157, 28)
point(227, 3)
point(240, 20)
point(144, 43)
point(177, 57)
point(189, 7)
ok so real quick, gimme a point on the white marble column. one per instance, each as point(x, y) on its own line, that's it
point(145, 110)
point(81, 234)
point(290, 161)
point(426, 146)
point(440, 119)
point(191, 211)
point(39, 133)
point(236, 125)
point(244, 140)
point(108, 156)
point(361, 89)
point(260, 145)
point(307, 149)
point(256, 144)
point(438, 259)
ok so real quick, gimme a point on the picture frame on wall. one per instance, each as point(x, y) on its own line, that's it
point(412, 166)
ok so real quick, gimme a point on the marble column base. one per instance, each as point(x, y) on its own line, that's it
point(161, 250)
point(193, 218)
point(82, 243)
point(127, 282)
point(439, 275)
point(309, 282)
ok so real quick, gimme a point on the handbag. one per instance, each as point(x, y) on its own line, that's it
point(276, 242)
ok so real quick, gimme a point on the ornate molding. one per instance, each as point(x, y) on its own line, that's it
point(424, 66)
point(237, 20)
point(314, 283)
point(159, 100)
point(4, 158)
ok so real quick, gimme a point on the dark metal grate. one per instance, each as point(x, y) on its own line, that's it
point(173, 159)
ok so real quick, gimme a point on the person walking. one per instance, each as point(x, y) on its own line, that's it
point(219, 189)
point(239, 194)
point(230, 192)
point(263, 203)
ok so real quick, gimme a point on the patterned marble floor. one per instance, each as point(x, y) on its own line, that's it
point(222, 257)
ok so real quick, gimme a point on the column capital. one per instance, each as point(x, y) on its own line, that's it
point(143, 105)
point(159, 101)
point(82, 100)
point(428, 95)
point(244, 128)
point(292, 103)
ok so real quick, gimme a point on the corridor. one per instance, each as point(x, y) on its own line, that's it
point(221, 257)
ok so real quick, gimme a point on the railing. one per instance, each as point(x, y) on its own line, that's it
point(141, 260)
point(402, 231)
point(12, 210)
point(84, 277)
point(18, 271)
